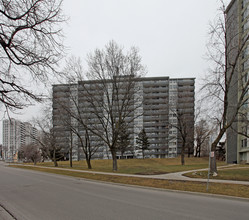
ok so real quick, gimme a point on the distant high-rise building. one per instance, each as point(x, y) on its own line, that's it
point(161, 100)
point(237, 33)
point(15, 135)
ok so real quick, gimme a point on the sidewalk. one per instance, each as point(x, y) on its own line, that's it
point(179, 176)
point(169, 176)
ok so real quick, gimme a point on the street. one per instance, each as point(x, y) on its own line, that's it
point(31, 195)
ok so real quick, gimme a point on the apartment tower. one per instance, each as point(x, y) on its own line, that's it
point(15, 135)
point(237, 36)
point(160, 101)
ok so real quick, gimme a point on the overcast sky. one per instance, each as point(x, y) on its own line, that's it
point(171, 35)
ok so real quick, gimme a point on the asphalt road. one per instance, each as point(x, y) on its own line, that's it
point(33, 195)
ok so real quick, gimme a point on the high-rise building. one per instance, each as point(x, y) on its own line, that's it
point(15, 135)
point(237, 37)
point(160, 101)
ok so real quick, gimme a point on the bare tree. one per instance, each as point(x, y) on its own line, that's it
point(73, 71)
point(183, 123)
point(30, 152)
point(224, 50)
point(77, 127)
point(30, 46)
point(47, 140)
point(69, 112)
point(202, 135)
point(109, 94)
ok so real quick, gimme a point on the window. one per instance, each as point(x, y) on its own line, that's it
point(244, 142)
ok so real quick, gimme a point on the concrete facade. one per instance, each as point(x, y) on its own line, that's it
point(237, 34)
point(158, 99)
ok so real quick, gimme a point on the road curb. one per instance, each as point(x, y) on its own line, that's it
point(170, 190)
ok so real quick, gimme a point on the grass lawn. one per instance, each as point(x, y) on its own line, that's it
point(139, 166)
point(214, 188)
point(240, 173)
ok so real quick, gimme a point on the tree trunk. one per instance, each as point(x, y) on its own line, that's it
point(189, 152)
point(183, 154)
point(143, 153)
point(55, 163)
point(213, 165)
point(182, 158)
point(114, 161)
point(71, 156)
point(198, 151)
point(89, 165)
point(71, 150)
point(54, 159)
point(78, 158)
